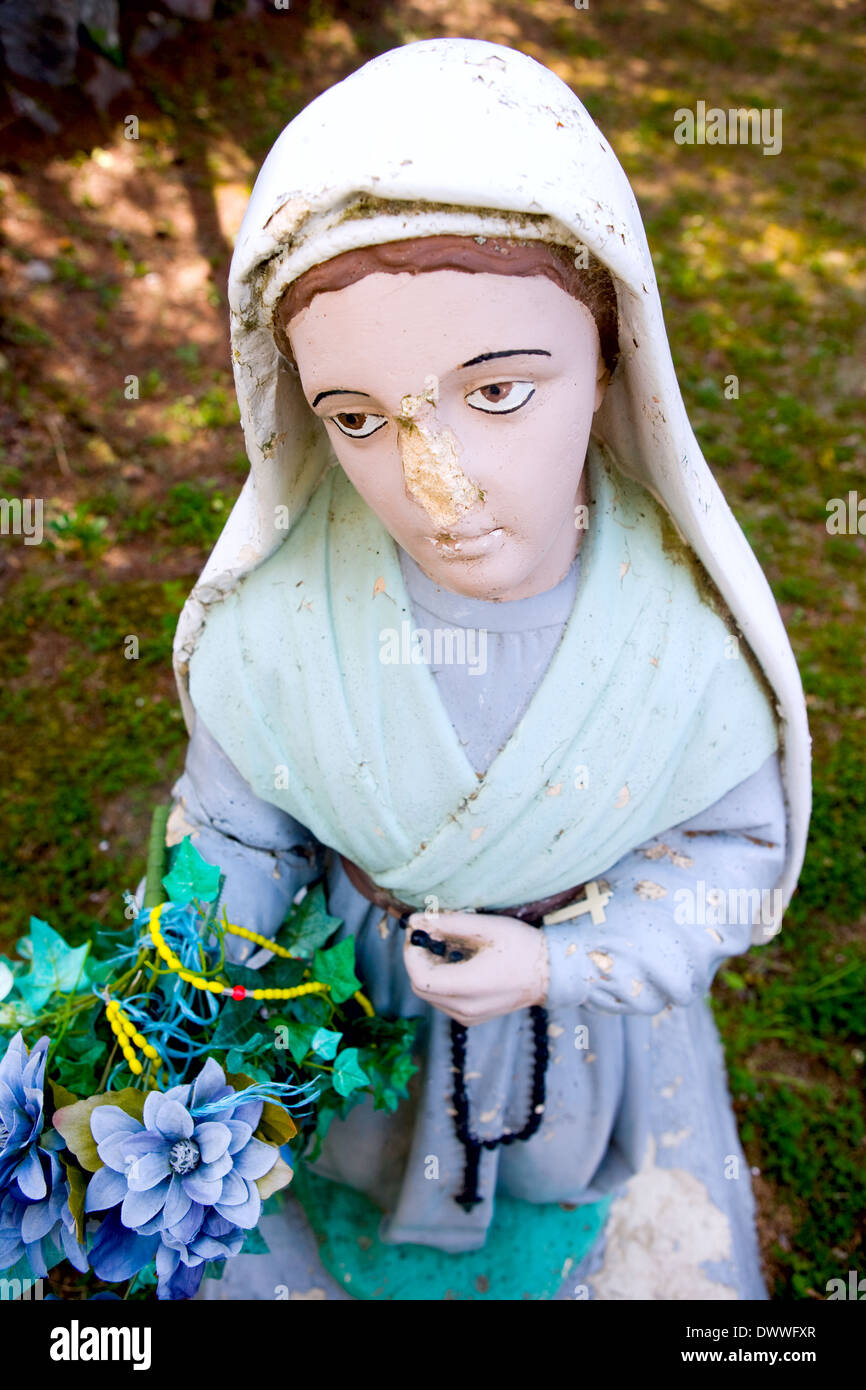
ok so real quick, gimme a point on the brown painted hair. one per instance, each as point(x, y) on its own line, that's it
point(593, 286)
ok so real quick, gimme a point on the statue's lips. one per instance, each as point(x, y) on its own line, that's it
point(468, 547)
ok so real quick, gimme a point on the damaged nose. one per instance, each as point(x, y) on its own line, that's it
point(431, 470)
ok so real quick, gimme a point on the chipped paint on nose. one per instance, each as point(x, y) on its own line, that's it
point(431, 470)
point(411, 407)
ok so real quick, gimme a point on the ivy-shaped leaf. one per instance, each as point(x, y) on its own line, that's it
point(300, 1039)
point(280, 973)
point(348, 1075)
point(236, 1026)
point(16, 1014)
point(190, 876)
point(308, 1008)
point(308, 924)
point(79, 1063)
point(324, 1115)
point(325, 1043)
point(395, 1088)
point(235, 1055)
point(55, 967)
point(336, 967)
point(388, 1059)
point(238, 1021)
point(98, 971)
point(255, 1073)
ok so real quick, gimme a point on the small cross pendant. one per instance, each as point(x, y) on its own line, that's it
point(594, 903)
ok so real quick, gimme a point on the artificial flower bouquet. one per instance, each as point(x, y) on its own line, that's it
point(153, 1095)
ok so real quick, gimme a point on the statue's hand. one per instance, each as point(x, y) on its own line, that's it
point(506, 965)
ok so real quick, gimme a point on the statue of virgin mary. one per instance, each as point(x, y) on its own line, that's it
point(464, 428)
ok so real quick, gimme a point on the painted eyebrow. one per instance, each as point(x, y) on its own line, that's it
point(509, 352)
point(340, 391)
point(473, 362)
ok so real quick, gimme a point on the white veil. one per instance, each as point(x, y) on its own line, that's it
point(469, 137)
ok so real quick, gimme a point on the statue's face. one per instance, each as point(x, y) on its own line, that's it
point(460, 407)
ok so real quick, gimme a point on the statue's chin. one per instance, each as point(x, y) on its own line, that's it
point(494, 571)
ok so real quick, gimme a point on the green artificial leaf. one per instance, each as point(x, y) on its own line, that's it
point(307, 1008)
point(52, 1253)
point(255, 1243)
point(77, 1189)
point(16, 1014)
point(282, 974)
point(235, 1055)
point(236, 1026)
point(389, 1090)
point(190, 876)
point(146, 1278)
point(78, 1064)
point(325, 1043)
point(258, 1073)
point(388, 1059)
point(240, 975)
point(55, 967)
point(325, 1113)
point(396, 1034)
point(60, 1095)
point(239, 1080)
point(348, 1075)
point(276, 1125)
point(77, 1060)
point(300, 1038)
point(98, 971)
point(278, 1176)
point(336, 967)
point(22, 1274)
point(73, 1122)
point(238, 1022)
point(379, 1070)
point(403, 1070)
point(308, 924)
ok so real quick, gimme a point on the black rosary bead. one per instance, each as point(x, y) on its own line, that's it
point(468, 1197)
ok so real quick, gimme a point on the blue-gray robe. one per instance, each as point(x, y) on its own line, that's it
point(637, 1099)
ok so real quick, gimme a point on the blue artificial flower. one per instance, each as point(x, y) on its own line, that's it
point(21, 1082)
point(180, 1261)
point(185, 1178)
point(25, 1225)
point(34, 1193)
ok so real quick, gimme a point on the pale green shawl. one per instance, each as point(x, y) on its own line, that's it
point(648, 713)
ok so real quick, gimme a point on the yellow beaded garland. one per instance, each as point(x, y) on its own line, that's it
point(234, 991)
point(126, 1034)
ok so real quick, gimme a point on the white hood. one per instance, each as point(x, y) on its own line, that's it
point(469, 137)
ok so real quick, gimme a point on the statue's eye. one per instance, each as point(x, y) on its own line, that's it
point(501, 397)
point(358, 424)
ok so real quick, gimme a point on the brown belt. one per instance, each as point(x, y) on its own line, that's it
point(532, 913)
